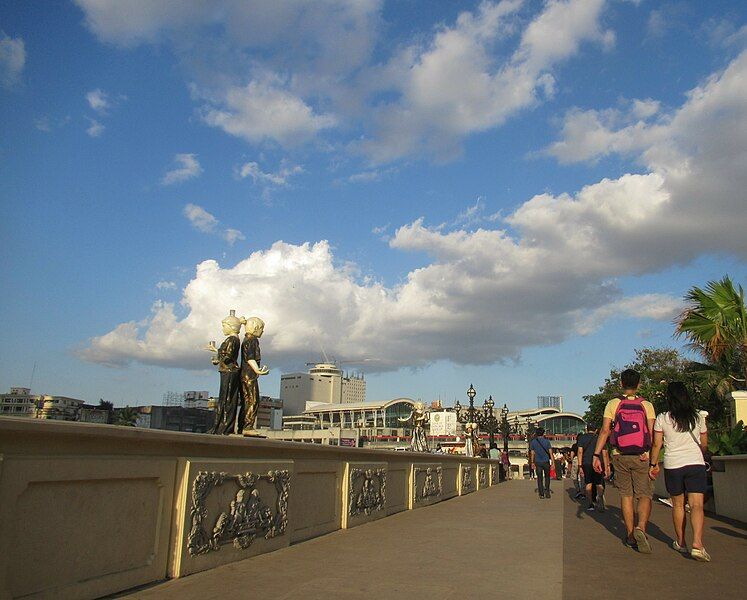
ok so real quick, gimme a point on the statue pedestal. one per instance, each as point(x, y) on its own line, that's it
point(253, 433)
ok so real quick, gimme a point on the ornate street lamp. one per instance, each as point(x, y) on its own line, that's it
point(485, 420)
point(507, 428)
point(469, 415)
point(488, 422)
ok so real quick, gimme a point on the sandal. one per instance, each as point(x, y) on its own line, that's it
point(644, 547)
point(700, 554)
point(680, 549)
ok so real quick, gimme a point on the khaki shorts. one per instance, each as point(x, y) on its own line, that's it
point(631, 476)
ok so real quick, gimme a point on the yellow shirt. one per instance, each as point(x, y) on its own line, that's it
point(611, 409)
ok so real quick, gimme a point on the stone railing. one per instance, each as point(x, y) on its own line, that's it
point(88, 510)
point(730, 486)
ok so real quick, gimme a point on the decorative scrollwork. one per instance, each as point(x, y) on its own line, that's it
point(369, 497)
point(430, 487)
point(247, 517)
point(466, 477)
point(482, 475)
point(493, 473)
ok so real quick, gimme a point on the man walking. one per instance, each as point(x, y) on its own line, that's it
point(540, 457)
point(593, 481)
point(633, 419)
point(576, 469)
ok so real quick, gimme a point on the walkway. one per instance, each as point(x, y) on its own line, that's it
point(500, 542)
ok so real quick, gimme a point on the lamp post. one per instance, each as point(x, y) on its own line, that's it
point(485, 419)
point(470, 414)
point(506, 428)
point(488, 421)
point(467, 415)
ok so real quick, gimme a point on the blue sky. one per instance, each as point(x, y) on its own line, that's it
point(510, 194)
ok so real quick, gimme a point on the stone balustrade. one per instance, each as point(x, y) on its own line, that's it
point(88, 510)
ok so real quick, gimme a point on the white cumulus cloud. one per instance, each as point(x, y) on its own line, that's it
point(545, 272)
point(288, 72)
point(281, 178)
point(98, 100)
point(205, 222)
point(95, 129)
point(455, 85)
point(186, 166)
point(263, 110)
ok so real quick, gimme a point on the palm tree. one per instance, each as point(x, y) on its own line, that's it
point(127, 417)
point(715, 325)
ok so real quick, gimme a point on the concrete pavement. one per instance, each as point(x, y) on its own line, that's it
point(499, 542)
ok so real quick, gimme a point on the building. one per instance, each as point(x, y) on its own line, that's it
point(59, 408)
point(367, 424)
point(194, 399)
point(550, 402)
point(19, 402)
point(324, 383)
point(93, 414)
point(270, 413)
point(175, 418)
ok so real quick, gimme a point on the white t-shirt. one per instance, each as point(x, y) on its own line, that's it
point(680, 449)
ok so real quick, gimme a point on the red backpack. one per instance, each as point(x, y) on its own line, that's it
point(630, 434)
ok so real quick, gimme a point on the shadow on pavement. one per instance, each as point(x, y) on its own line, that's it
point(611, 519)
point(725, 531)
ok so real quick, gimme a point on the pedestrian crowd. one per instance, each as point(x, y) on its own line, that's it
point(628, 452)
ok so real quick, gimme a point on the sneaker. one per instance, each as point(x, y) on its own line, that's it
point(680, 549)
point(590, 509)
point(643, 545)
point(580, 495)
point(700, 554)
point(630, 543)
point(601, 507)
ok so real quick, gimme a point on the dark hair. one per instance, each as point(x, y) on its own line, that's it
point(493, 445)
point(591, 427)
point(630, 379)
point(681, 407)
point(540, 431)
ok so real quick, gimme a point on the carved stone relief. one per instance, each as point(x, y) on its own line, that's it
point(493, 473)
point(482, 475)
point(466, 477)
point(432, 486)
point(248, 515)
point(368, 497)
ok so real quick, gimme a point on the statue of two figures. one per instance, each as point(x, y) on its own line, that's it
point(418, 418)
point(238, 399)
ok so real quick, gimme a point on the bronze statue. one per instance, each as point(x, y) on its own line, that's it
point(229, 416)
point(418, 417)
point(471, 442)
point(250, 371)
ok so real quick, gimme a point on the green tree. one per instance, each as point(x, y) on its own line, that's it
point(715, 325)
point(127, 416)
point(108, 407)
point(657, 366)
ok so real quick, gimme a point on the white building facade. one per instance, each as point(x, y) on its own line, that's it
point(324, 383)
point(19, 402)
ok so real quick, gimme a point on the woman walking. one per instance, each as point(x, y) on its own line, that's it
point(682, 430)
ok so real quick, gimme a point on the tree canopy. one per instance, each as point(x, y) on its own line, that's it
point(657, 367)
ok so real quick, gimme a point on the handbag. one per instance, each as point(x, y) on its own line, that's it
point(707, 454)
